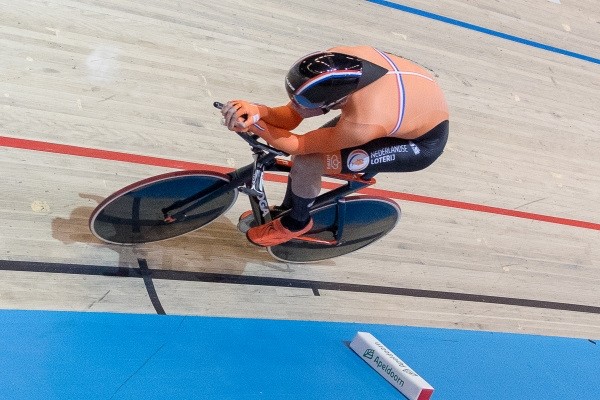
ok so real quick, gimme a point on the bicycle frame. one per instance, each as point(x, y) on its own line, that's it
point(249, 180)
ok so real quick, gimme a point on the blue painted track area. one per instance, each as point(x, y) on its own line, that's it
point(61, 355)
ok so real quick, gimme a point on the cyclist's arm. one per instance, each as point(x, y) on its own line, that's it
point(283, 117)
point(323, 140)
point(342, 136)
point(287, 116)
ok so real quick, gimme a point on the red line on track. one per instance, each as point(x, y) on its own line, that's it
point(165, 162)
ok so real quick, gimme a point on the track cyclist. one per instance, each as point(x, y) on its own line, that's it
point(394, 118)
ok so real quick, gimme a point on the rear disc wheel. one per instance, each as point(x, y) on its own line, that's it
point(366, 219)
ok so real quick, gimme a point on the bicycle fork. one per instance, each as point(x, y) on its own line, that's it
point(255, 189)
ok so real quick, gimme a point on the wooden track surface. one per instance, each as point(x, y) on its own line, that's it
point(140, 77)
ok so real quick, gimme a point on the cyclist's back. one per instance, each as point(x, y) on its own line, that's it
point(406, 102)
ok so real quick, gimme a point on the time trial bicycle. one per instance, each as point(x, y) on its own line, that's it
point(172, 204)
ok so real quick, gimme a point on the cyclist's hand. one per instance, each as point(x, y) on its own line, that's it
point(240, 115)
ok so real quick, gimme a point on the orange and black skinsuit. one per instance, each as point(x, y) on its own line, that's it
point(399, 123)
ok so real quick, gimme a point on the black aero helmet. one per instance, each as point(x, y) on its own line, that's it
point(322, 79)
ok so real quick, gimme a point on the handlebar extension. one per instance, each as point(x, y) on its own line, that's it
point(252, 139)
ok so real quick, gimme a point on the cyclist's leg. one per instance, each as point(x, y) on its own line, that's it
point(308, 170)
point(304, 185)
point(305, 177)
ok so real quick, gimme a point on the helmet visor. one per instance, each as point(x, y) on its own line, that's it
point(326, 89)
point(306, 103)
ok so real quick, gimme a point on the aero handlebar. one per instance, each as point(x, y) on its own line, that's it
point(252, 140)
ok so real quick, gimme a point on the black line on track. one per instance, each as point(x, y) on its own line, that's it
point(147, 276)
point(315, 286)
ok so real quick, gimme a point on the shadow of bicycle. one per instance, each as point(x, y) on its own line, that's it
point(217, 247)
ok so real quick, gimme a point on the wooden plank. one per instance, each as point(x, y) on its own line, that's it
point(140, 78)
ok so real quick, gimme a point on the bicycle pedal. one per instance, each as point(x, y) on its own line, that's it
point(244, 224)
